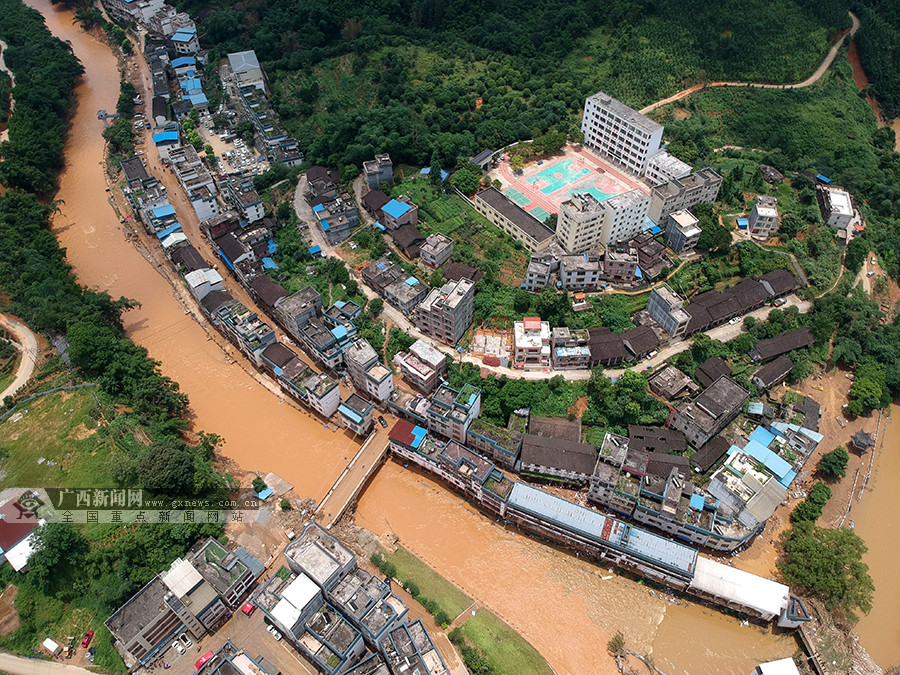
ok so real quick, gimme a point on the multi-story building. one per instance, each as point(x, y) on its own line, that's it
point(836, 206)
point(336, 217)
point(245, 198)
point(357, 414)
point(185, 41)
point(451, 412)
point(297, 607)
point(708, 414)
point(764, 216)
point(405, 293)
point(664, 167)
point(324, 343)
point(321, 393)
point(579, 272)
point(620, 133)
point(587, 224)
point(422, 366)
point(436, 250)
point(193, 595)
point(297, 309)
point(244, 327)
point(247, 71)
point(570, 349)
point(537, 276)
point(667, 309)
point(408, 648)
point(620, 265)
point(368, 603)
point(701, 187)
point(398, 212)
point(368, 374)
point(651, 254)
point(682, 231)
point(531, 343)
point(446, 312)
point(379, 171)
point(513, 219)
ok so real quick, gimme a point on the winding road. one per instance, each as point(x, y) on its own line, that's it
point(812, 79)
point(27, 344)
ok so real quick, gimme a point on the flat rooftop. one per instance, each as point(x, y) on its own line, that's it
point(518, 216)
point(317, 553)
point(625, 112)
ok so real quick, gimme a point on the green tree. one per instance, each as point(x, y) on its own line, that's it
point(259, 484)
point(834, 464)
point(245, 129)
point(210, 152)
point(828, 563)
point(811, 508)
point(374, 307)
point(59, 552)
point(436, 278)
point(467, 177)
point(167, 467)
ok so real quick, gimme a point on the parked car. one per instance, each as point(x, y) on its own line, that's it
point(274, 632)
point(185, 640)
point(734, 320)
point(382, 421)
point(178, 647)
point(86, 640)
point(147, 125)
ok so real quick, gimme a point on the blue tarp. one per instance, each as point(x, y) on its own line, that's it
point(325, 225)
point(273, 246)
point(637, 273)
point(395, 209)
point(381, 227)
point(339, 332)
point(822, 178)
point(265, 494)
point(319, 207)
point(743, 223)
point(656, 229)
point(697, 502)
point(184, 61)
point(164, 211)
point(412, 281)
point(314, 250)
point(269, 264)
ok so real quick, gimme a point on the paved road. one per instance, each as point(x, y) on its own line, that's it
point(812, 79)
point(19, 665)
point(27, 344)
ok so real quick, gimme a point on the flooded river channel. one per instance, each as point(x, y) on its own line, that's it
point(566, 607)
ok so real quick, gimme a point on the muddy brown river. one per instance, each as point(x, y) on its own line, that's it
point(566, 607)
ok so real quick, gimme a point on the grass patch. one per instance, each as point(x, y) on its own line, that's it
point(61, 428)
point(431, 584)
point(507, 651)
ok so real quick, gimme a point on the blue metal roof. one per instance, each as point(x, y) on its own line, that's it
point(269, 264)
point(273, 246)
point(762, 436)
point(164, 211)
point(190, 83)
point(164, 136)
point(656, 229)
point(319, 207)
point(347, 411)
point(822, 178)
point(325, 225)
point(184, 35)
point(605, 530)
point(412, 281)
point(774, 463)
point(697, 502)
point(782, 428)
point(395, 209)
point(755, 408)
point(419, 435)
point(743, 223)
point(315, 249)
point(339, 332)
point(198, 99)
point(184, 61)
point(169, 230)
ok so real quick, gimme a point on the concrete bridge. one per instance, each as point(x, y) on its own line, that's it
point(349, 484)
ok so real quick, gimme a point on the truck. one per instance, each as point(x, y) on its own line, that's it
point(52, 647)
point(70, 646)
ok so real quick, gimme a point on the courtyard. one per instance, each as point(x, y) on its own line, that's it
point(542, 185)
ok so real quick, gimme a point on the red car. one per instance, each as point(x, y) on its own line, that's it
point(248, 608)
point(203, 660)
point(86, 640)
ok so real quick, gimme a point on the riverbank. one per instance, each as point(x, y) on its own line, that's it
point(862, 81)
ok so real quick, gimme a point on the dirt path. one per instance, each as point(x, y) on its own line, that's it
point(4, 133)
point(27, 344)
point(812, 79)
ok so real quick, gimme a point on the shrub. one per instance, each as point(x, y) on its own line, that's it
point(285, 504)
point(412, 588)
point(259, 484)
point(834, 464)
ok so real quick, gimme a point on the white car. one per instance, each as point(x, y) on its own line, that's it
point(735, 320)
point(185, 640)
point(178, 647)
point(274, 632)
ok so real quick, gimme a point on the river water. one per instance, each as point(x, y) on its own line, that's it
point(875, 517)
point(560, 603)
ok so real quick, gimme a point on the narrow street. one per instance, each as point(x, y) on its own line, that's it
point(28, 346)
